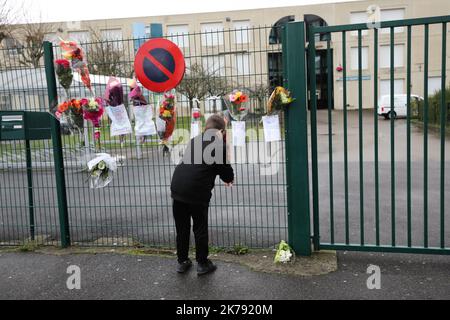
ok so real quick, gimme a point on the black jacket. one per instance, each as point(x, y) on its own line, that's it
point(194, 178)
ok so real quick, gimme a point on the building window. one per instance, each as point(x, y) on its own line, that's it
point(179, 35)
point(364, 60)
point(385, 87)
point(241, 35)
point(385, 56)
point(5, 102)
point(212, 34)
point(51, 37)
point(12, 46)
point(243, 64)
point(79, 36)
point(390, 15)
point(434, 85)
point(114, 37)
point(214, 65)
point(359, 17)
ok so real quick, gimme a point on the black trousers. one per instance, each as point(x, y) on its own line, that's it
point(183, 212)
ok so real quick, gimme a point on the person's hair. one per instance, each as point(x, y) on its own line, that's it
point(215, 122)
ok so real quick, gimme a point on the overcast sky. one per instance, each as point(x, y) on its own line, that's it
point(60, 10)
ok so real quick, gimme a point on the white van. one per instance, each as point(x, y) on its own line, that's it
point(384, 105)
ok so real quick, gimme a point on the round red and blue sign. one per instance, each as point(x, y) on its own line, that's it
point(159, 65)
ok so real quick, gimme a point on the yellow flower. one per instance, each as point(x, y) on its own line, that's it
point(167, 114)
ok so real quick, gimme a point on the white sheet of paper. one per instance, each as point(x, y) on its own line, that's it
point(195, 129)
point(238, 128)
point(272, 130)
point(144, 124)
point(120, 122)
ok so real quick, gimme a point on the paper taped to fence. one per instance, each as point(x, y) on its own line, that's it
point(144, 126)
point(272, 131)
point(238, 128)
point(120, 122)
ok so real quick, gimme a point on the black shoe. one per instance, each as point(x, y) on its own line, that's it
point(205, 268)
point(184, 267)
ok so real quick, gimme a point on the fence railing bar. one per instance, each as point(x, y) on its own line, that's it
point(376, 155)
point(425, 136)
point(361, 141)
point(330, 134)
point(346, 186)
point(393, 118)
point(443, 128)
point(408, 136)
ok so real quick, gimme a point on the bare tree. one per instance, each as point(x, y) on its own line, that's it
point(261, 93)
point(7, 17)
point(31, 37)
point(107, 56)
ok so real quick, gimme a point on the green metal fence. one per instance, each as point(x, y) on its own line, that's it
point(136, 207)
point(393, 195)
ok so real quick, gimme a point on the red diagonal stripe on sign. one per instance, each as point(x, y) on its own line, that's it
point(158, 65)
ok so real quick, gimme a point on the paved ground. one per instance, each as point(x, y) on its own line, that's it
point(110, 276)
point(137, 204)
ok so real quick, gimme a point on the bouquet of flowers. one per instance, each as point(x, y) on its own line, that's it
point(284, 253)
point(64, 74)
point(143, 112)
point(74, 53)
point(120, 125)
point(93, 111)
point(70, 114)
point(100, 170)
point(279, 100)
point(166, 122)
point(237, 104)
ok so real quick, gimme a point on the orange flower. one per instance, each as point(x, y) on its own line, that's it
point(63, 107)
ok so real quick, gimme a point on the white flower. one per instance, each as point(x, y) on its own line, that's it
point(285, 256)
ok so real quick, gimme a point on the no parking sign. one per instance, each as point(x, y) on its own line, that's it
point(159, 65)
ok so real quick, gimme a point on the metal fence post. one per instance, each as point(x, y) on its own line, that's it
point(57, 147)
point(294, 69)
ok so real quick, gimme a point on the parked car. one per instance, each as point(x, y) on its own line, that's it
point(400, 105)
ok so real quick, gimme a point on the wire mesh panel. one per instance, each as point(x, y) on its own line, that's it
point(136, 208)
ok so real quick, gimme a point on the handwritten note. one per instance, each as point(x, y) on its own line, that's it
point(238, 128)
point(272, 130)
point(195, 129)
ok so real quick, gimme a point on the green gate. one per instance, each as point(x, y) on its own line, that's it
point(377, 184)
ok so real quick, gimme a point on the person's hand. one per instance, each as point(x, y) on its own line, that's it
point(229, 185)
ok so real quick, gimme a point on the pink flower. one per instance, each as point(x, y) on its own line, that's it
point(232, 98)
point(84, 102)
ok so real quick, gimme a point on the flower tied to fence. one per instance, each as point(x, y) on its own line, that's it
point(93, 111)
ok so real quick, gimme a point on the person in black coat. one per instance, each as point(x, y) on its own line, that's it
point(191, 189)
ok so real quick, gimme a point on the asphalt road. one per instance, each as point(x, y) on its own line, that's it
point(109, 276)
point(137, 204)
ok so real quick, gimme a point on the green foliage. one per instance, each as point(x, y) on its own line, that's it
point(434, 108)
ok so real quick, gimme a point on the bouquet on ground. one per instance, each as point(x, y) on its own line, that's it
point(64, 74)
point(279, 100)
point(70, 114)
point(100, 170)
point(93, 111)
point(166, 121)
point(120, 125)
point(284, 253)
point(74, 53)
point(143, 112)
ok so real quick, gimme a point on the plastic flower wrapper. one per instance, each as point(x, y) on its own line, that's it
point(165, 123)
point(100, 170)
point(284, 253)
point(143, 112)
point(237, 104)
point(121, 124)
point(93, 111)
point(74, 53)
point(64, 74)
point(69, 114)
point(279, 100)
point(195, 122)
